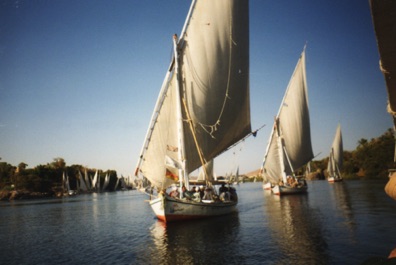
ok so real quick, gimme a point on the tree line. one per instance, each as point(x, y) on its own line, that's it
point(370, 160)
point(46, 178)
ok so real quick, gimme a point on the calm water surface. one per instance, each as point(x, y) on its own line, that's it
point(340, 223)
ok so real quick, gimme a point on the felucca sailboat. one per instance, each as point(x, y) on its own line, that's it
point(203, 107)
point(289, 147)
point(335, 158)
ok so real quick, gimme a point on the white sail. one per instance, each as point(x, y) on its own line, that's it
point(206, 172)
point(336, 156)
point(95, 180)
point(289, 146)
point(99, 188)
point(63, 181)
point(116, 185)
point(87, 180)
point(106, 182)
point(236, 177)
point(67, 183)
point(83, 187)
point(206, 87)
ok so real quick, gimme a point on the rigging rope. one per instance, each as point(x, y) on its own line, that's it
point(210, 129)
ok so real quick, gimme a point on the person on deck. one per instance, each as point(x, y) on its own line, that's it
point(201, 191)
point(224, 193)
point(222, 189)
point(174, 193)
point(196, 196)
point(187, 194)
point(208, 194)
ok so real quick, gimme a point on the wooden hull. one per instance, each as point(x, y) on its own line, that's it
point(285, 190)
point(169, 209)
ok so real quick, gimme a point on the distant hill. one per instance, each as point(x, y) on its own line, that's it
point(254, 173)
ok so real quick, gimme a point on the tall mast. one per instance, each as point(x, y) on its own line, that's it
point(280, 150)
point(180, 133)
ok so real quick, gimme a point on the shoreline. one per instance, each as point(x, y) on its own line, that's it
point(10, 195)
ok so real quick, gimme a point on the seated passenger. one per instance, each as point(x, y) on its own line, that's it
point(224, 193)
point(201, 191)
point(234, 196)
point(225, 196)
point(196, 196)
point(187, 194)
point(209, 194)
point(222, 188)
point(174, 193)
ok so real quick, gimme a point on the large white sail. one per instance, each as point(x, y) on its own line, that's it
point(290, 145)
point(213, 84)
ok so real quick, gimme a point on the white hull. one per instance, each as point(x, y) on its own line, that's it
point(169, 209)
point(267, 186)
point(285, 190)
point(332, 179)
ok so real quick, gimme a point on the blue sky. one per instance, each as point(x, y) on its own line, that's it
point(79, 79)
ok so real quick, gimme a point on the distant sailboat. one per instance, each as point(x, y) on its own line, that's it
point(123, 183)
point(82, 185)
point(203, 107)
point(64, 189)
point(87, 180)
point(335, 158)
point(95, 182)
point(106, 182)
point(116, 185)
point(383, 13)
point(289, 146)
point(66, 185)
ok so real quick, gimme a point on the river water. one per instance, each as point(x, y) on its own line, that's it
point(340, 223)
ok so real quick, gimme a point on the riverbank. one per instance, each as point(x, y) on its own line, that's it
point(9, 195)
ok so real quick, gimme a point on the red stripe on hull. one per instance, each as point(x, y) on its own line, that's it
point(172, 218)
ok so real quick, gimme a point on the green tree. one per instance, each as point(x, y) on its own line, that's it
point(7, 171)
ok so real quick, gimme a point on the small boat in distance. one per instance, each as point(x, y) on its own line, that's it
point(289, 147)
point(202, 110)
point(335, 158)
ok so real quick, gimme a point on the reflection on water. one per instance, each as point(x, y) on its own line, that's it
point(196, 242)
point(296, 229)
point(340, 223)
point(341, 198)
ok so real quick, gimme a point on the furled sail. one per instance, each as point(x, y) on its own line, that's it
point(213, 84)
point(290, 145)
